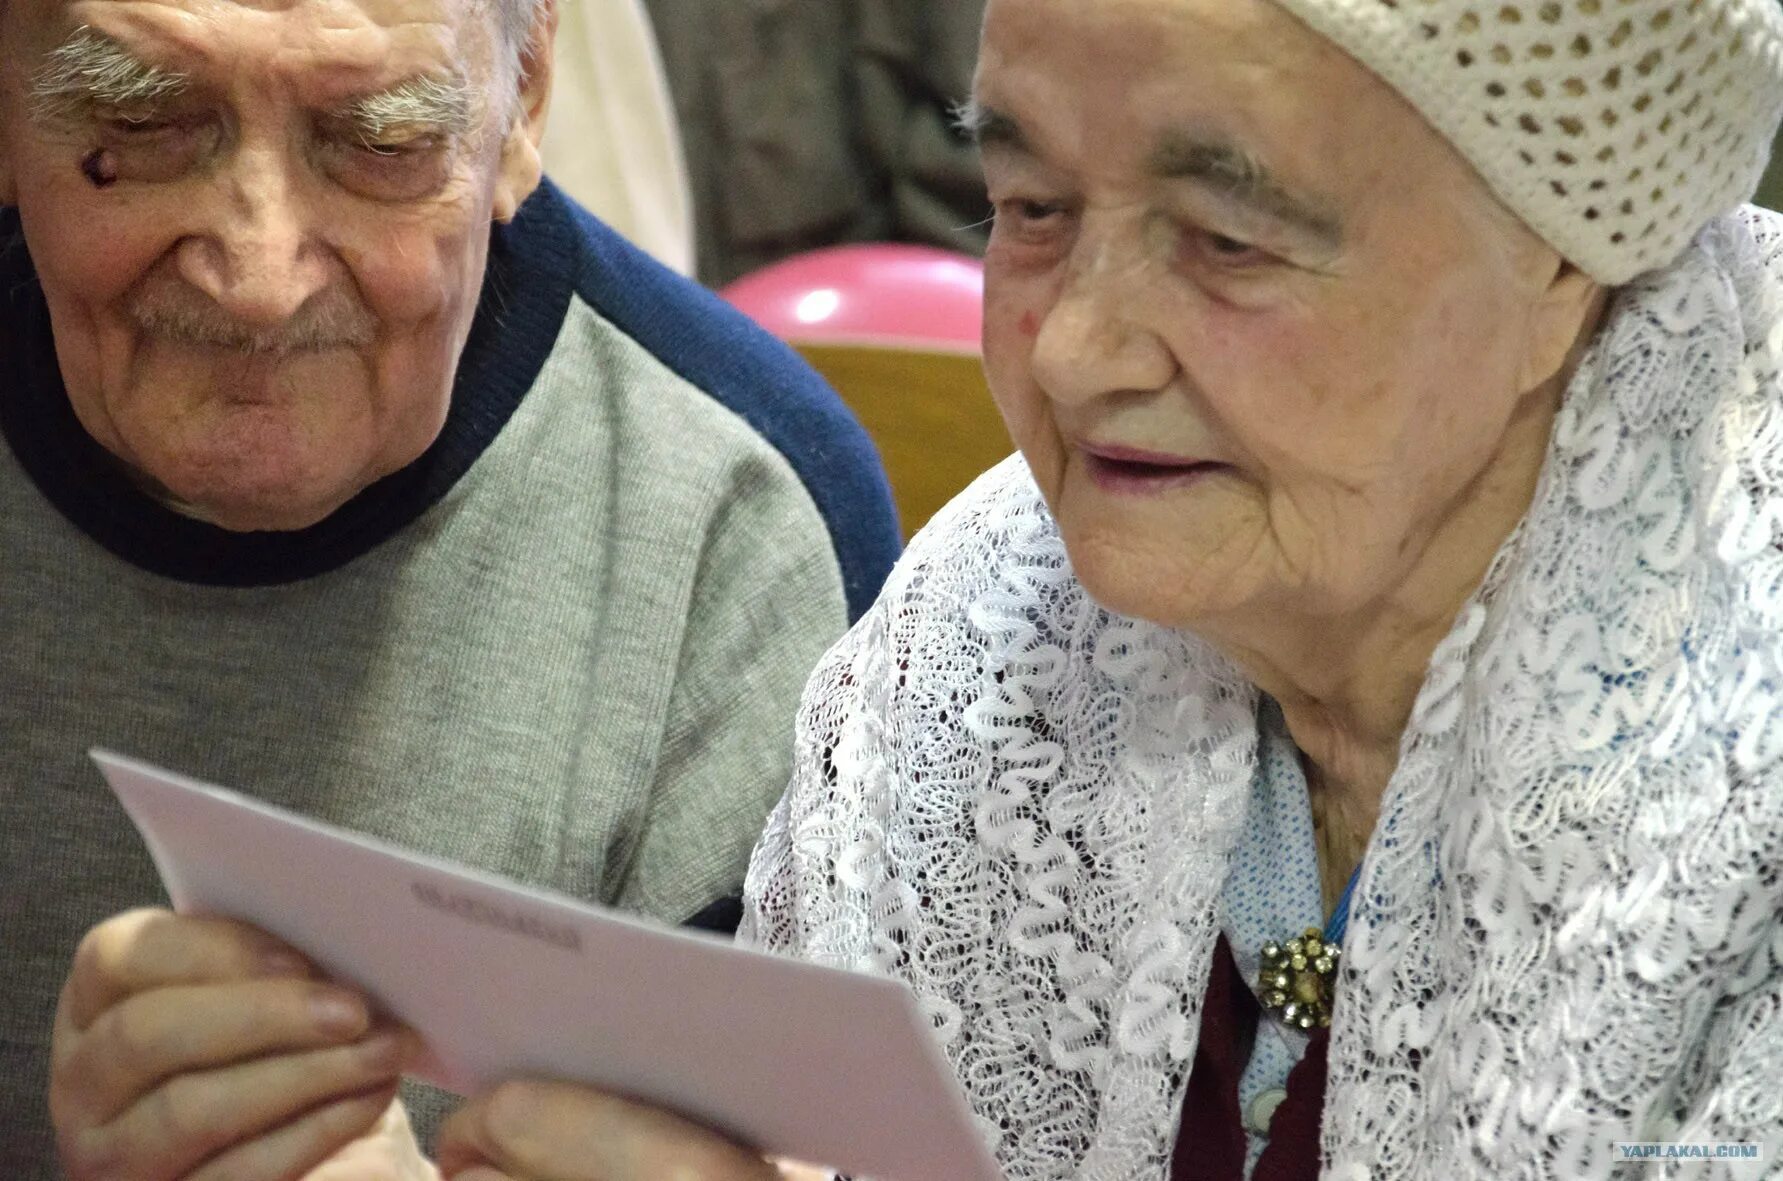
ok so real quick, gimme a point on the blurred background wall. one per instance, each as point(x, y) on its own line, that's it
point(809, 123)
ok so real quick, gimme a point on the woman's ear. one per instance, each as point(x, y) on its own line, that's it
point(521, 167)
point(1562, 323)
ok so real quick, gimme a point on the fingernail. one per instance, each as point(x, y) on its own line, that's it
point(338, 1013)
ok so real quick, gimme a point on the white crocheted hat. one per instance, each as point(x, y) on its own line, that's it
point(1616, 129)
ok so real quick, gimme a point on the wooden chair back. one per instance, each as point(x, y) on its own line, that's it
point(929, 412)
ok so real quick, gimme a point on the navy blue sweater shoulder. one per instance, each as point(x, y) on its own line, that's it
point(553, 252)
point(724, 353)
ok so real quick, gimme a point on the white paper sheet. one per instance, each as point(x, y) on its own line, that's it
point(503, 981)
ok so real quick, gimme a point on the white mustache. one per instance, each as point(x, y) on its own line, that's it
point(333, 320)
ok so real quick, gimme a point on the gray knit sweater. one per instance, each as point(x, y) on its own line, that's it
point(568, 649)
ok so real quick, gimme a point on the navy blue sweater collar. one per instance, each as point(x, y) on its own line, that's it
point(526, 293)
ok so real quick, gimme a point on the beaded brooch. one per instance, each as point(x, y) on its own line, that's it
point(1298, 979)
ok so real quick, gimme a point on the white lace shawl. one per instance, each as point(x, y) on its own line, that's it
point(1567, 928)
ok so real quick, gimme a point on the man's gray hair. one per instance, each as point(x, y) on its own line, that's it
point(515, 19)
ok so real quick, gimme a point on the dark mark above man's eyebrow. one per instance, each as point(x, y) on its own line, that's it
point(1237, 176)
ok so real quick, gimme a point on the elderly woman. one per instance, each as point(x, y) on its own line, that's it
point(1395, 551)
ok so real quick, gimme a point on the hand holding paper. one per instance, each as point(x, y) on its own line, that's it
point(201, 1049)
point(559, 1132)
point(794, 1059)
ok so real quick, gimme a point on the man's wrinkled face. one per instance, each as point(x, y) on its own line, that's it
point(1255, 326)
point(261, 229)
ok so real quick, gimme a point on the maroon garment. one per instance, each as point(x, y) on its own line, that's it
point(1292, 1153)
point(1210, 1145)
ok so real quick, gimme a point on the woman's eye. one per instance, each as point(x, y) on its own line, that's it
point(1025, 221)
point(1021, 209)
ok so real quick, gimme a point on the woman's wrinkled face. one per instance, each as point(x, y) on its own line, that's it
point(1254, 325)
point(261, 231)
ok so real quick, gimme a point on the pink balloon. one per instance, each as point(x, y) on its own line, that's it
point(885, 295)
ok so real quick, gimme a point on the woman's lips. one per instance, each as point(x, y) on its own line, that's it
point(1124, 470)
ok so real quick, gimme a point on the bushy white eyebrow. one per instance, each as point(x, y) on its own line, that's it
point(444, 105)
point(92, 69)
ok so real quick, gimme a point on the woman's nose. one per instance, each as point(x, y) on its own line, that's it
point(1096, 338)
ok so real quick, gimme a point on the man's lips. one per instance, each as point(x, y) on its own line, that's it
point(1129, 469)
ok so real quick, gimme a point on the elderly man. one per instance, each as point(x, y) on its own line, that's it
point(506, 545)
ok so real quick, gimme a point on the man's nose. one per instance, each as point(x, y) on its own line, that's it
point(259, 255)
point(1097, 337)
